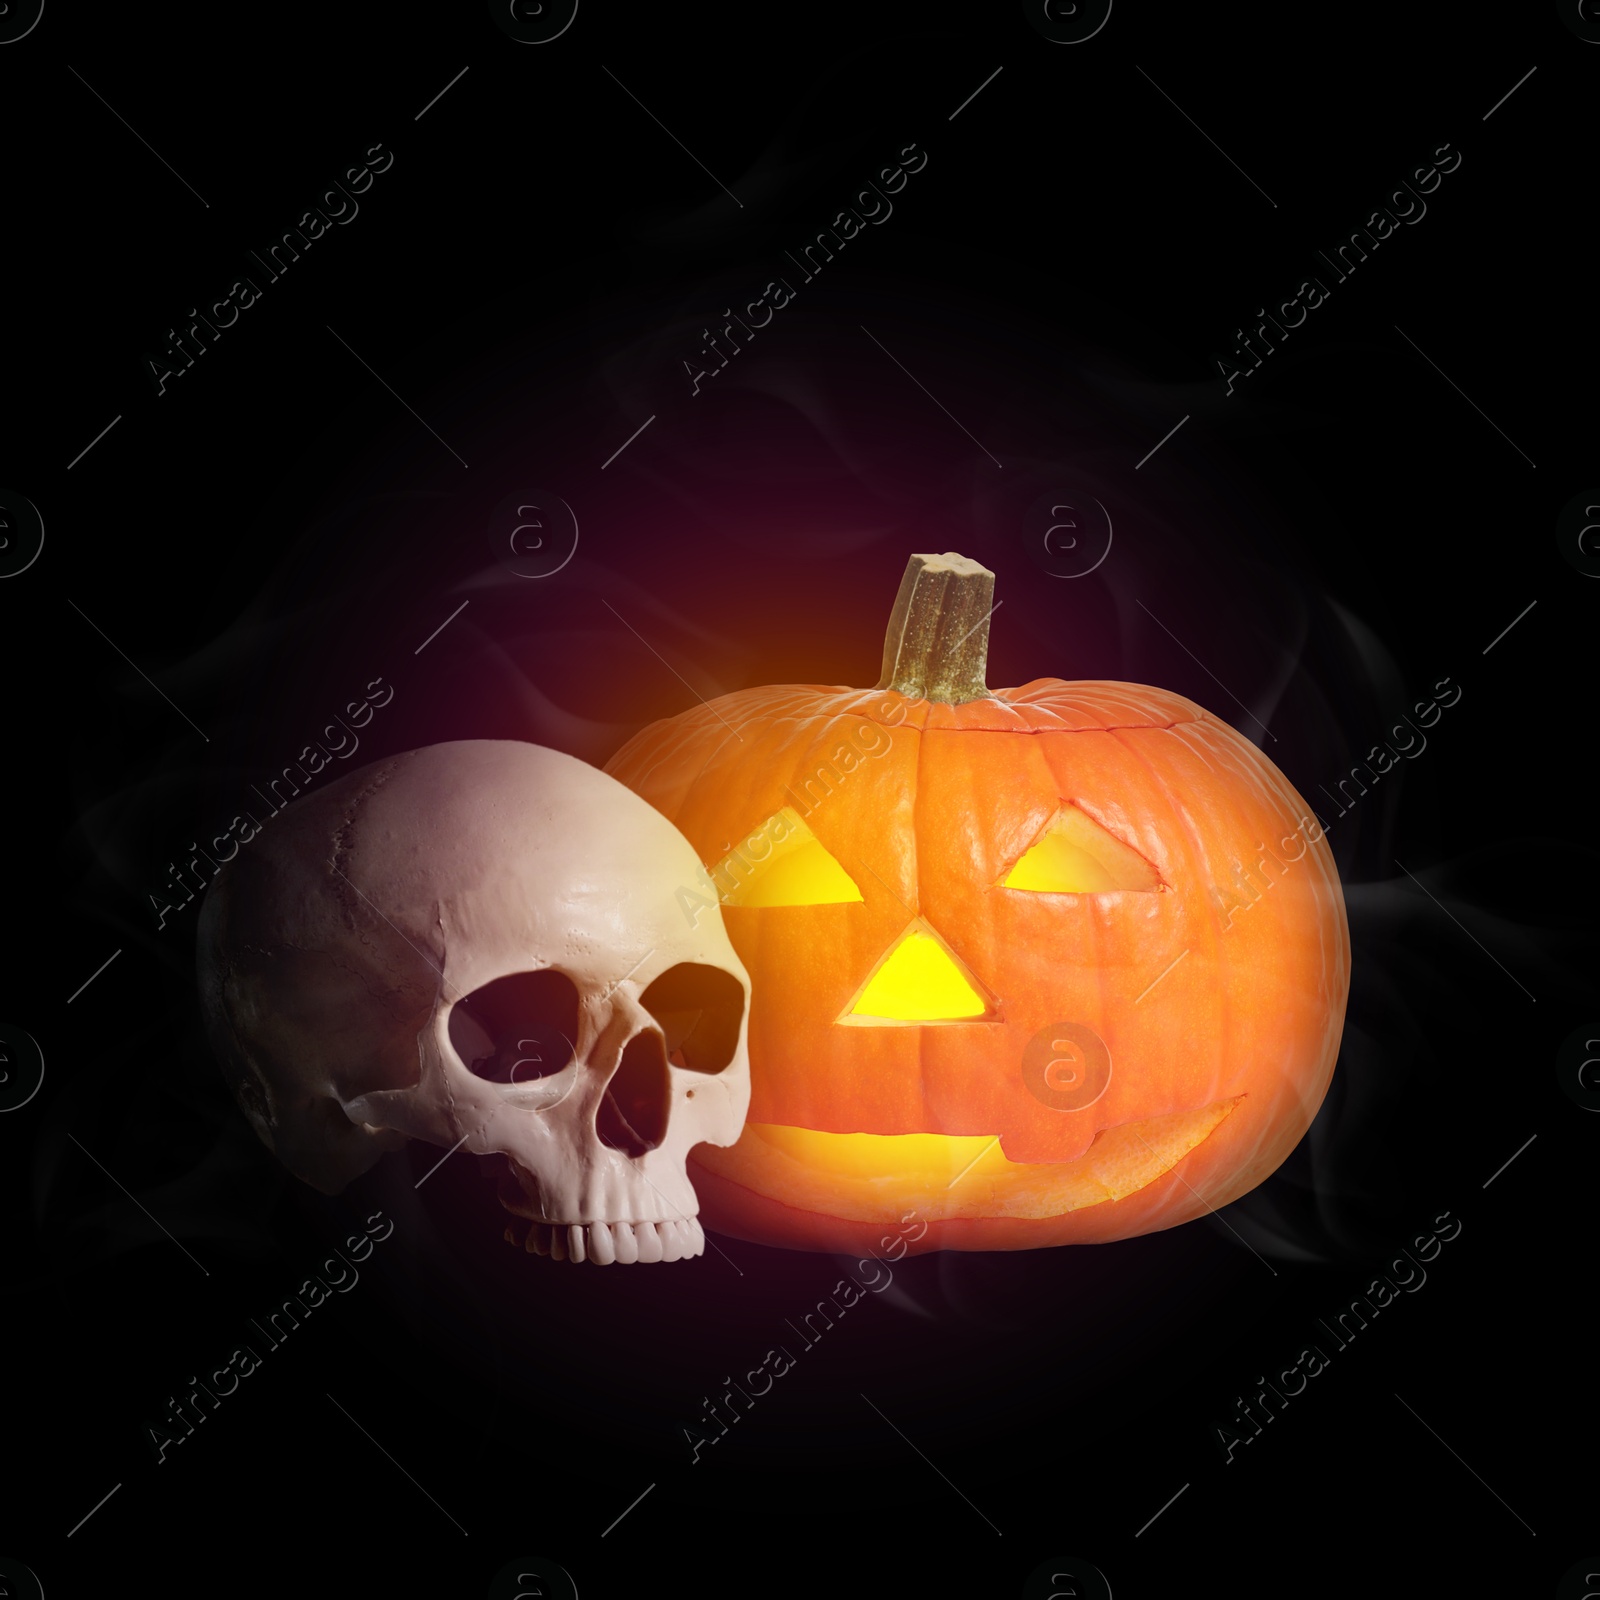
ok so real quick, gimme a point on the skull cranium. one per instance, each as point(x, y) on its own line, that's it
point(486, 945)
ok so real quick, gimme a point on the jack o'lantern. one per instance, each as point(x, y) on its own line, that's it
point(1058, 964)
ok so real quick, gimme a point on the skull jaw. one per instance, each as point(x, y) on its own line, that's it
point(570, 1196)
point(618, 1216)
point(605, 1243)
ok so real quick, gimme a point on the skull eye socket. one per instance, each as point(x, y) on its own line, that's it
point(1075, 855)
point(518, 1028)
point(699, 1010)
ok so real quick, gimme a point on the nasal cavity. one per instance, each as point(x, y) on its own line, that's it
point(633, 1111)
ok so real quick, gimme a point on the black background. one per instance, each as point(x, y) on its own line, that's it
point(279, 527)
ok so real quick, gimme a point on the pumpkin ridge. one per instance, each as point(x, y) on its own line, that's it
point(1096, 918)
point(924, 1035)
point(1217, 931)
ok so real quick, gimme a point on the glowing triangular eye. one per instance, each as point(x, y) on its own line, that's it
point(782, 863)
point(1075, 855)
point(919, 981)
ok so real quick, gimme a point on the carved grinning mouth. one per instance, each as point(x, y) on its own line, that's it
point(946, 1175)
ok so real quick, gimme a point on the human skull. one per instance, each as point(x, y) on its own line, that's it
point(493, 946)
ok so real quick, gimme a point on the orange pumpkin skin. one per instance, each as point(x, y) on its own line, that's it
point(1224, 987)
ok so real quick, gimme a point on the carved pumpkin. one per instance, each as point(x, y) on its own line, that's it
point(1035, 966)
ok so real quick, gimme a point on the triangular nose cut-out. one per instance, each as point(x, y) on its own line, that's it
point(920, 980)
point(1075, 855)
point(782, 863)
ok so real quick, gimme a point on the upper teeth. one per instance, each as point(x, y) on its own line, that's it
point(605, 1242)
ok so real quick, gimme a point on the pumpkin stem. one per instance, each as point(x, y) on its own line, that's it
point(937, 645)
